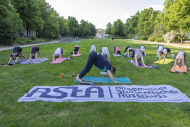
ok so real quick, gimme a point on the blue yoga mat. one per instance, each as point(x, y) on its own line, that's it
point(106, 79)
point(33, 61)
point(126, 55)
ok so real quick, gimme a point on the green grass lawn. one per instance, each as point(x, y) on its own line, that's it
point(17, 80)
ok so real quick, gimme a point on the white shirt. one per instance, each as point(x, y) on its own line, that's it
point(93, 48)
point(105, 51)
point(58, 51)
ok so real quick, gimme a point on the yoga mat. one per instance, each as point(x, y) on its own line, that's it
point(58, 60)
point(76, 54)
point(166, 61)
point(106, 79)
point(178, 69)
point(33, 61)
point(126, 55)
point(12, 63)
point(108, 93)
point(117, 55)
point(134, 63)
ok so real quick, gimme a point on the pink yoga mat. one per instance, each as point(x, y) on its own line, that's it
point(58, 60)
point(76, 54)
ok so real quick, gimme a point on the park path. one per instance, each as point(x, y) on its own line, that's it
point(2, 48)
point(170, 44)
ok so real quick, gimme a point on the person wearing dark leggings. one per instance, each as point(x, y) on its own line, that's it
point(34, 52)
point(129, 50)
point(162, 53)
point(17, 52)
point(99, 61)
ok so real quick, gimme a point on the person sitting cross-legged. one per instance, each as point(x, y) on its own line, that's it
point(99, 61)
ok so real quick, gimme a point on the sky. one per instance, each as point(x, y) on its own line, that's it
point(101, 12)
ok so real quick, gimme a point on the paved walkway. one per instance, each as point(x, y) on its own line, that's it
point(2, 48)
point(170, 44)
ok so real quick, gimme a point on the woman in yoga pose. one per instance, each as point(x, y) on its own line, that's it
point(99, 61)
point(143, 50)
point(180, 60)
point(164, 53)
point(93, 48)
point(138, 57)
point(117, 50)
point(105, 52)
point(58, 54)
point(34, 52)
point(76, 50)
point(17, 52)
point(160, 47)
point(129, 50)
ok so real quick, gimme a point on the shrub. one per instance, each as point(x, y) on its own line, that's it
point(131, 36)
point(151, 38)
point(33, 38)
point(143, 38)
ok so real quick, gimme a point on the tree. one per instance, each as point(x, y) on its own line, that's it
point(178, 17)
point(118, 28)
point(109, 29)
point(72, 25)
point(62, 26)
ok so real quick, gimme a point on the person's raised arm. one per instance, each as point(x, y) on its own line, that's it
point(111, 76)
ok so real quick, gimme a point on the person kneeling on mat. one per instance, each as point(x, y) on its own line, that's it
point(34, 54)
point(58, 53)
point(163, 53)
point(160, 47)
point(180, 60)
point(99, 61)
point(17, 52)
point(93, 48)
point(105, 52)
point(76, 50)
point(129, 50)
point(143, 50)
point(117, 50)
point(138, 57)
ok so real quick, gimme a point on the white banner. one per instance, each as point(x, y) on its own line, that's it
point(123, 93)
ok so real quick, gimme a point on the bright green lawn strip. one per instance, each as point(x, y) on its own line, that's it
point(17, 80)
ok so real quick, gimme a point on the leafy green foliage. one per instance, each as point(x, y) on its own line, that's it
point(118, 28)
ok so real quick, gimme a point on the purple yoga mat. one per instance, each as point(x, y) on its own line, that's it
point(134, 63)
point(76, 54)
point(58, 60)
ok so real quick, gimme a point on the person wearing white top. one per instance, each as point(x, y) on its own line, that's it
point(105, 52)
point(93, 48)
point(160, 47)
point(58, 53)
point(143, 50)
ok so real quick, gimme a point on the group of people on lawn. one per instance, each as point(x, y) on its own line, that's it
point(102, 60)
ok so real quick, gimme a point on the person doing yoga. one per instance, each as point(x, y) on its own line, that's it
point(76, 50)
point(180, 60)
point(138, 56)
point(129, 50)
point(58, 54)
point(99, 61)
point(117, 50)
point(143, 50)
point(93, 48)
point(105, 52)
point(17, 52)
point(163, 53)
point(160, 47)
point(34, 52)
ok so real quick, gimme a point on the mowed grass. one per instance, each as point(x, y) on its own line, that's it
point(17, 80)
